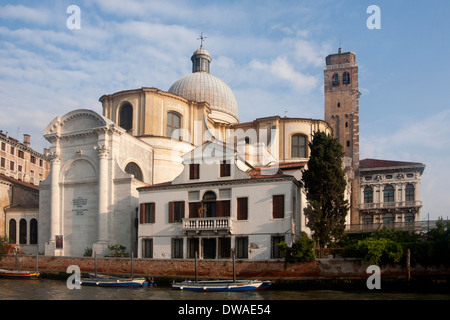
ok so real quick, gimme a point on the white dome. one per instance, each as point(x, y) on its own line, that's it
point(201, 86)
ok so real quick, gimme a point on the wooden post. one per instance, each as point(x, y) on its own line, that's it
point(95, 263)
point(37, 261)
point(196, 266)
point(132, 265)
point(408, 265)
point(234, 266)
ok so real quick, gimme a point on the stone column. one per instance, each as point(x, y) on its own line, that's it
point(55, 214)
point(101, 245)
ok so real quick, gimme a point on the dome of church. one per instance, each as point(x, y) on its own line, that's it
point(201, 86)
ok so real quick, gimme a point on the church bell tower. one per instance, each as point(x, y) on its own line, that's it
point(342, 114)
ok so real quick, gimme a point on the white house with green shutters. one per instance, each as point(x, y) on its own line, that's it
point(219, 203)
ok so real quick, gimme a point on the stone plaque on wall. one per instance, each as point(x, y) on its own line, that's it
point(79, 206)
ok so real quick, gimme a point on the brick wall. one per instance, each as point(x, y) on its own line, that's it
point(324, 268)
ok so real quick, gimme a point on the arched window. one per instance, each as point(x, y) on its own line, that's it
point(346, 78)
point(298, 146)
point(12, 231)
point(409, 193)
point(335, 79)
point(134, 169)
point(33, 231)
point(23, 231)
point(173, 123)
point(368, 195)
point(126, 116)
point(388, 194)
point(209, 204)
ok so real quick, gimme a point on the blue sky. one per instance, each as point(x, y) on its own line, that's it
point(271, 54)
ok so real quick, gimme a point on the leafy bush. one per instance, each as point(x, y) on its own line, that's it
point(301, 251)
point(380, 251)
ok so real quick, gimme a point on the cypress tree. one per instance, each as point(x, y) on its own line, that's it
point(324, 182)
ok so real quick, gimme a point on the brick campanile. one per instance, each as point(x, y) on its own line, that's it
point(342, 114)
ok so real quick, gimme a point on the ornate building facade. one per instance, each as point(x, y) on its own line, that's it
point(114, 177)
point(90, 199)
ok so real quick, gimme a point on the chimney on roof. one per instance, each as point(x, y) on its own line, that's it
point(26, 140)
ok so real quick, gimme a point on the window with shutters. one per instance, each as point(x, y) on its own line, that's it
point(173, 124)
point(298, 146)
point(276, 250)
point(192, 247)
point(242, 208)
point(177, 248)
point(147, 248)
point(242, 247)
point(176, 211)
point(147, 212)
point(278, 206)
point(225, 169)
point(194, 171)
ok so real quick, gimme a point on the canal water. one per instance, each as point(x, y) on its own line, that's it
point(49, 289)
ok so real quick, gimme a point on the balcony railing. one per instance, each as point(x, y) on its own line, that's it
point(391, 205)
point(207, 224)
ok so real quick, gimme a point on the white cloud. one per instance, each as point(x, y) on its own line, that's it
point(281, 69)
point(26, 14)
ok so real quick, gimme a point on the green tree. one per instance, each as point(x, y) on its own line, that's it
point(325, 184)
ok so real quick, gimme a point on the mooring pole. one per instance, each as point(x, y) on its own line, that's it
point(132, 265)
point(234, 266)
point(37, 261)
point(15, 259)
point(408, 265)
point(196, 276)
point(95, 264)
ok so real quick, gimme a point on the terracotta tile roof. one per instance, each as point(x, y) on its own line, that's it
point(18, 182)
point(377, 163)
point(292, 165)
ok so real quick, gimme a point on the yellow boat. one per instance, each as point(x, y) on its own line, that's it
point(18, 273)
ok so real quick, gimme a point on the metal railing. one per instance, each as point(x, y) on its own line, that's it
point(413, 226)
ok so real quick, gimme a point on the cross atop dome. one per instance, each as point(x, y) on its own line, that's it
point(201, 59)
point(201, 38)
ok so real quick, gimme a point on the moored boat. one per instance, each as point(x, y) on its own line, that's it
point(116, 282)
point(222, 285)
point(18, 273)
